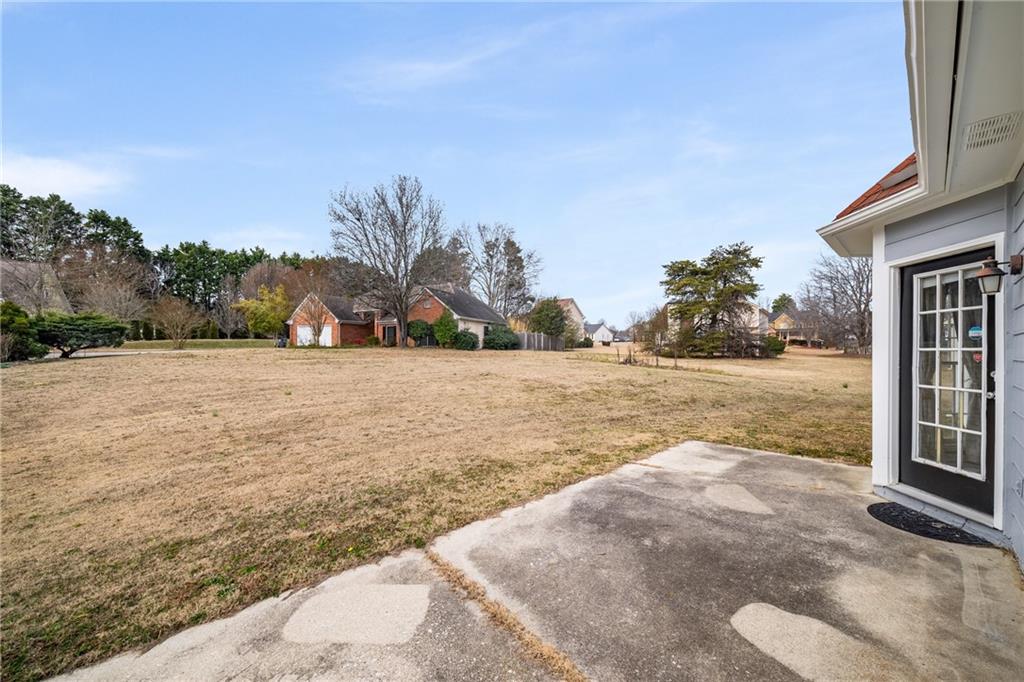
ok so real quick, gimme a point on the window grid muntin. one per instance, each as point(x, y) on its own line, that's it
point(958, 350)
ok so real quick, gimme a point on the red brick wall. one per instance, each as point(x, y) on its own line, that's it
point(340, 333)
point(350, 333)
point(427, 309)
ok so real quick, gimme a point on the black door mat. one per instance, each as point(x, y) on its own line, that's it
point(904, 518)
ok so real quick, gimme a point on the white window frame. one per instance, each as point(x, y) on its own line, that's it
point(959, 349)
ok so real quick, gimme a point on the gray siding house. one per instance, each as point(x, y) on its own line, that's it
point(948, 367)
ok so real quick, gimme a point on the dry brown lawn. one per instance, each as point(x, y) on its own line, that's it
point(145, 493)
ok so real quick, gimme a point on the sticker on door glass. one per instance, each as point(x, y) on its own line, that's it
point(975, 332)
point(978, 357)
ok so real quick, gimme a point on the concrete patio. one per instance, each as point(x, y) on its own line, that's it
point(702, 562)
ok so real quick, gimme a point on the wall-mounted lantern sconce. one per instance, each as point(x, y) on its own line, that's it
point(990, 277)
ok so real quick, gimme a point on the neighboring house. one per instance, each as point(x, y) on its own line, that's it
point(789, 329)
point(599, 332)
point(622, 335)
point(573, 314)
point(948, 358)
point(470, 313)
point(33, 286)
point(755, 319)
point(342, 326)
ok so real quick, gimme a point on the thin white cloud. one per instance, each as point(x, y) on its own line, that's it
point(377, 79)
point(73, 178)
point(379, 76)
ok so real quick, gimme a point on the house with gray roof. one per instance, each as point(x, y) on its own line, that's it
point(33, 286)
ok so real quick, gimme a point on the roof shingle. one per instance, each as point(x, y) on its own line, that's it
point(903, 176)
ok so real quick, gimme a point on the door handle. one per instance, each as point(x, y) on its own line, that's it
point(990, 395)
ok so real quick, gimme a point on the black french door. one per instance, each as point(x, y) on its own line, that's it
point(947, 385)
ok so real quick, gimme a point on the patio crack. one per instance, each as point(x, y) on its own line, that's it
point(556, 661)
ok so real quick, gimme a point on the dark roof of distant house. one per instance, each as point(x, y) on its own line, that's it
point(341, 308)
point(465, 304)
point(591, 328)
point(903, 176)
point(31, 285)
point(774, 316)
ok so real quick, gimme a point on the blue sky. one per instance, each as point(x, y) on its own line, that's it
point(614, 138)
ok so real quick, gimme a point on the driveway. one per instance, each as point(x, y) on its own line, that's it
point(702, 562)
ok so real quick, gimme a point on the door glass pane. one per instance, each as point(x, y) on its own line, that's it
point(926, 405)
point(973, 330)
point(970, 407)
point(950, 290)
point(947, 330)
point(949, 402)
point(927, 333)
point(947, 447)
point(971, 445)
point(926, 445)
point(947, 408)
point(972, 292)
point(928, 297)
point(947, 369)
point(926, 368)
point(971, 364)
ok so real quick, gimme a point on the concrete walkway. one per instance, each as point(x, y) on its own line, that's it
point(702, 562)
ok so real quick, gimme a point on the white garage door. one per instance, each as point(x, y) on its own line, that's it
point(304, 335)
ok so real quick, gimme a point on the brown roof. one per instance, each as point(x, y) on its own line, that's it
point(903, 176)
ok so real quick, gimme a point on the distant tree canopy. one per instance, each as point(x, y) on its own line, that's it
point(43, 229)
point(501, 272)
point(194, 271)
point(710, 300)
point(547, 317)
point(783, 303)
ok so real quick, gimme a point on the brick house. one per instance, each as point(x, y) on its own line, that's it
point(342, 325)
point(470, 313)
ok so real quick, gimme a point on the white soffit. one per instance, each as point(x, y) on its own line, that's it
point(987, 135)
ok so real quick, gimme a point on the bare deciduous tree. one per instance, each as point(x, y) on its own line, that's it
point(269, 274)
point(176, 318)
point(391, 230)
point(635, 323)
point(228, 317)
point(837, 301)
point(501, 272)
point(118, 298)
point(314, 281)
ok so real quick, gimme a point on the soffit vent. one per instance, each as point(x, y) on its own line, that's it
point(990, 131)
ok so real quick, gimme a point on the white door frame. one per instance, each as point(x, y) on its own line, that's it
point(885, 372)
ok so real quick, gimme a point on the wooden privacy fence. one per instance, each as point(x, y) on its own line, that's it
point(537, 341)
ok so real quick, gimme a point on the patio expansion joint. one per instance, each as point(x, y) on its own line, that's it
point(556, 661)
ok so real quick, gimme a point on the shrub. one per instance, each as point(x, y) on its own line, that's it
point(372, 340)
point(548, 318)
point(773, 346)
point(71, 333)
point(501, 338)
point(420, 330)
point(445, 329)
point(466, 340)
point(18, 339)
point(585, 343)
point(176, 319)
